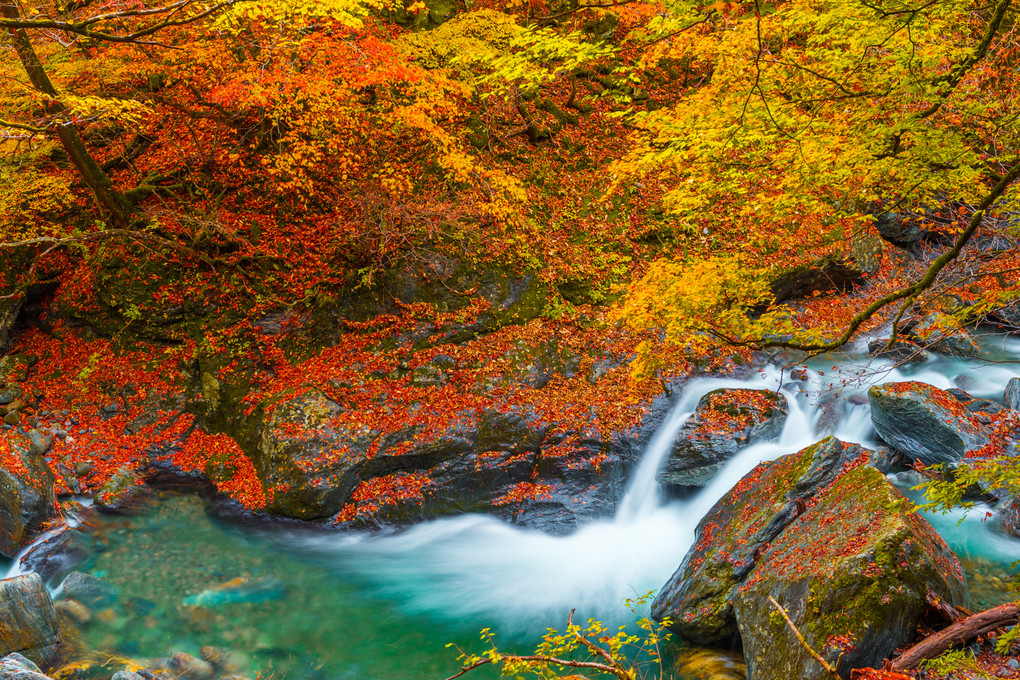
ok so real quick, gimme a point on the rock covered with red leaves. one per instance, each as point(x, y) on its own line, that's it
point(937, 426)
point(725, 421)
point(837, 546)
point(26, 491)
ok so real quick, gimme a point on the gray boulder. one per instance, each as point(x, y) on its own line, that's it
point(1012, 394)
point(26, 494)
point(901, 351)
point(28, 621)
point(125, 493)
point(926, 423)
point(900, 229)
point(724, 422)
point(952, 341)
point(16, 667)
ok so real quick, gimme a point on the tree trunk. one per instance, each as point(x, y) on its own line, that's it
point(120, 207)
point(964, 630)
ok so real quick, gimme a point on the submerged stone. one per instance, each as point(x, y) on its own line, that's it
point(238, 590)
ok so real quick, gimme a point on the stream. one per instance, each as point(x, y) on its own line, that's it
point(329, 605)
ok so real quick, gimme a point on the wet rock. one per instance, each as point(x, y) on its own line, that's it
point(90, 590)
point(17, 667)
point(944, 337)
point(12, 418)
point(1010, 517)
point(1008, 316)
point(925, 423)
point(28, 621)
point(238, 590)
point(125, 493)
point(724, 422)
point(56, 556)
point(127, 675)
point(902, 350)
point(833, 542)
point(1012, 394)
point(223, 661)
point(26, 494)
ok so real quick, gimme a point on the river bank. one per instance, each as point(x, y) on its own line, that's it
point(480, 569)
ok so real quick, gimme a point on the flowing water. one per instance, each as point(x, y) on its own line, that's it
point(384, 606)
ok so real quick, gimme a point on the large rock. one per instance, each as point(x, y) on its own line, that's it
point(1008, 316)
point(901, 229)
point(852, 573)
point(28, 621)
point(724, 422)
point(944, 337)
point(125, 493)
point(1012, 394)
point(26, 492)
point(731, 536)
point(836, 272)
point(926, 423)
point(834, 543)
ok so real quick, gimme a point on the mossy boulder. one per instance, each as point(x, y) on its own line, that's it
point(125, 493)
point(730, 538)
point(306, 461)
point(833, 542)
point(852, 573)
point(926, 423)
point(836, 272)
point(724, 422)
point(28, 621)
point(26, 492)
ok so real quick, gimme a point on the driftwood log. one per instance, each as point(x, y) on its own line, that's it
point(962, 631)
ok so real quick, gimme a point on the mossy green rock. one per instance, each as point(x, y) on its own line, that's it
point(305, 461)
point(26, 494)
point(728, 540)
point(724, 422)
point(125, 493)
point(852, 573)
point(833, 542)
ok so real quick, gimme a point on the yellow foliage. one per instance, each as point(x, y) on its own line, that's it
point(28, 196)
